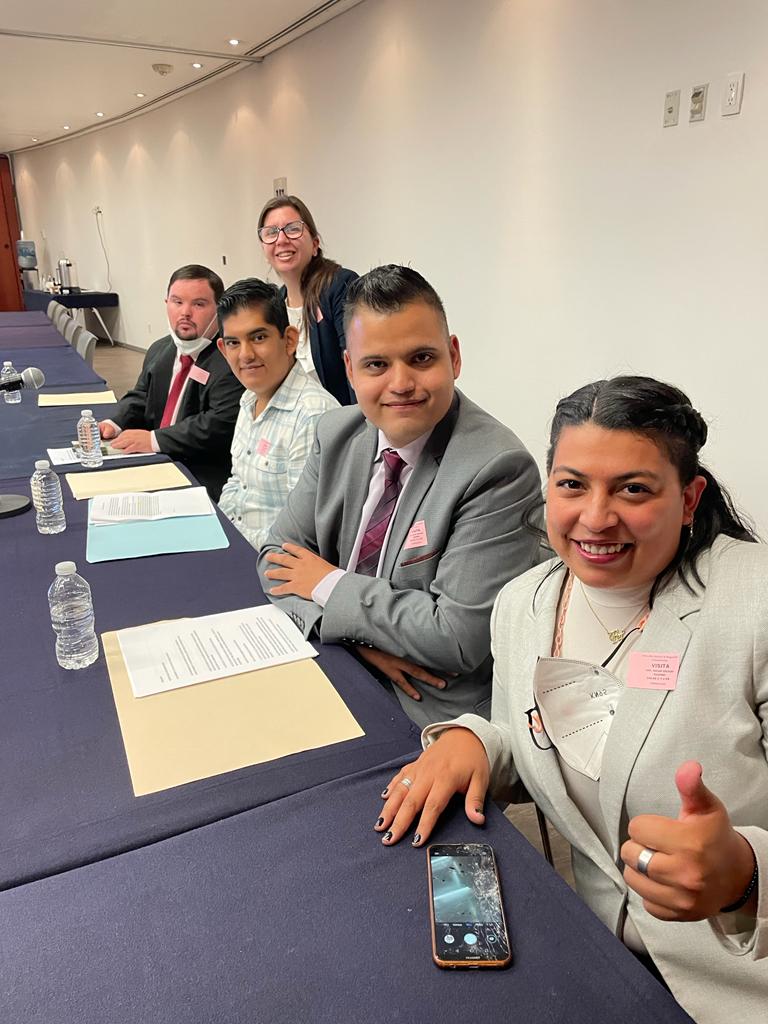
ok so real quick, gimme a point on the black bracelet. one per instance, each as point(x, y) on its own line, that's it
point(745, 898)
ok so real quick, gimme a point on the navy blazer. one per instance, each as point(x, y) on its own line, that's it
point(326, 337)
point(202, 434)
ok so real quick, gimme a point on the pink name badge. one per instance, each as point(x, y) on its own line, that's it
point(199, 374)
point(653, 671)
point(417, 536)
point(319, 316)
point(262, 448)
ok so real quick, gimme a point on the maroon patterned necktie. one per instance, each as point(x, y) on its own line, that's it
point(376, 530)
point(176, 386)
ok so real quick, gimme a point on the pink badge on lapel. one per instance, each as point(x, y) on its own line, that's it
point(319, 316)
point(417, 536)
point(199, 374)
point(652, 671)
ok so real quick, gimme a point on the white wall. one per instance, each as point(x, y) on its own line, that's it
point(511, 151)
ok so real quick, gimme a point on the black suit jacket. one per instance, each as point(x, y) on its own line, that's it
point(202, 434)
point(326, 337)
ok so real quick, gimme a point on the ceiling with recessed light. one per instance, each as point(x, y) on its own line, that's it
point(77, 67)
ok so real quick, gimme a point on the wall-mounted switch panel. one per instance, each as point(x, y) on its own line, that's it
point(671, 108)
point(698, 102)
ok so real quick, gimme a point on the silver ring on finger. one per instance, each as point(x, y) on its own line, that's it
point(406, 782)
point(644, 860)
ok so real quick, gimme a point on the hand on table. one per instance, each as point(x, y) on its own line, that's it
point(131, 441)
point(300, 568)
point(700, 865)
point(456, 763)
point(395, 669)
point(107, 430)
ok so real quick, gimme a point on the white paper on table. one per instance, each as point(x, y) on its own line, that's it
point(168, 655)
point(142, 506)
point(69, 457)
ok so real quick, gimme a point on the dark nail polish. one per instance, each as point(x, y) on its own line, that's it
point(379, 822)
point(416, 840)
point(478, 810)
point(386, 837)
point(384, 792)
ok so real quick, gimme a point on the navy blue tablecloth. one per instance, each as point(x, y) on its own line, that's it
point(65, 790)
point(24, 319)
point(60, 363)
point(26, 431)
point(21, 339)
point(295, 913)
point(36, 300)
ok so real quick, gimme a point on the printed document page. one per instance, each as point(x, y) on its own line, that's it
point(168, 655)
point(142, 506)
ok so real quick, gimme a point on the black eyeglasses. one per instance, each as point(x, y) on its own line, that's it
point(536, 726)
point(270, 234)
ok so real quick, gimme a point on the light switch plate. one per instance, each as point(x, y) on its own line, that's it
point(732, 93)
point(671, 108)
point(698, 102)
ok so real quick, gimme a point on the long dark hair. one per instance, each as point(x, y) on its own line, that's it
point(664, 414)
point(320, 271)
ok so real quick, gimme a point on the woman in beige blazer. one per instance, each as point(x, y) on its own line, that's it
point(623, 667)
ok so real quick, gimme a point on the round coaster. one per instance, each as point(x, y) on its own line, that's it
point(13, 505)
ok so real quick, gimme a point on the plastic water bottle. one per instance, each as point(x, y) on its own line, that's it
point(46, 497)
point(90, 440)
point(11, 397)
point(72, 618)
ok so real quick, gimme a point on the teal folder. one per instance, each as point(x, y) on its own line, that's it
point(157, 537)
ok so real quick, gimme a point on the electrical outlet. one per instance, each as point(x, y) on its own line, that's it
point(671, 108)
point(280, 186)
point(223, 261)
point(732, 93)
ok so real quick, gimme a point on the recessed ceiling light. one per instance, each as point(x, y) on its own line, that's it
point(65, 127)
point(197, 64)
point(34, 139)
point(141, 95)
point(234, 42)
point(99, 113)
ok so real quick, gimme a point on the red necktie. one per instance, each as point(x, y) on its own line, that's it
point(176, 386)
point(376, 530)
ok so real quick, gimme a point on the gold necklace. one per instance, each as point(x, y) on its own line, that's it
point(614, 635)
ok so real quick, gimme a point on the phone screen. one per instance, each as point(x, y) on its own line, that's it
point(467, 916)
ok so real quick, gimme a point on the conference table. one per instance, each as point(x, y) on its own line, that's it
point(257, 895)
point(36, 300)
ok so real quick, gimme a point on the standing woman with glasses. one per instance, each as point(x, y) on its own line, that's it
point(314, 289)
point(630, 697)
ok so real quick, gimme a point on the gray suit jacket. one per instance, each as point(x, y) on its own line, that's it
point(718, 715)
point(432, 603)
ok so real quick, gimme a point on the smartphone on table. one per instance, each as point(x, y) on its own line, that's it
point(468, 927)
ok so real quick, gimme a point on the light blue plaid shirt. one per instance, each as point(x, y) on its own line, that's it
point(269, 452)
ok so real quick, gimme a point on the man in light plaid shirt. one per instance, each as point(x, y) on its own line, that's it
point(279, 409)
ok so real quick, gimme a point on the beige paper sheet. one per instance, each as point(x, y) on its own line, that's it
point(84, 399)
point(158, 477)
point(199, 731)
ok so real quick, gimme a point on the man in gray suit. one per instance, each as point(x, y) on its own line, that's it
point(407, 519)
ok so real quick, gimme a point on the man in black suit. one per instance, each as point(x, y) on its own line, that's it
point(186, 400)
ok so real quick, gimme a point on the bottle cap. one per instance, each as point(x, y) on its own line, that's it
point(42, 464)
point(65, 568)
point(86, 412)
